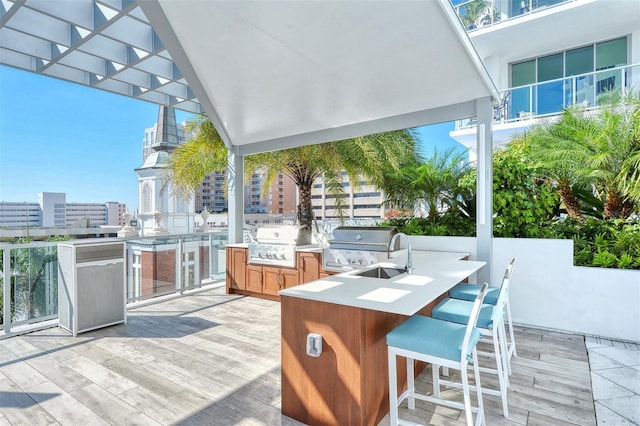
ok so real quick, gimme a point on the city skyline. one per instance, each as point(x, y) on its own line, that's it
point(57, 136)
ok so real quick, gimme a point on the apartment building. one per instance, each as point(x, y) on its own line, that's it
point(19, 214)
point(359, 201)
point(545, 55)
point(281, 197)
point(53, 211)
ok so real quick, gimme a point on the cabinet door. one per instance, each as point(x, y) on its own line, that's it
point(288, 278)
point(271, 280)
point(309, 267)
point(254, 278)
point(237, 268)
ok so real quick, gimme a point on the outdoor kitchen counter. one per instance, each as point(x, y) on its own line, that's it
point(434, 274)
point(347, 383)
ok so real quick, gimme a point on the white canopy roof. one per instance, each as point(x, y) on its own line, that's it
point(270, 74)
point(278, 74)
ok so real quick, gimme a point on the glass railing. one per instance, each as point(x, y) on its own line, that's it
point(158, 266)
point(551, 97)
point(155, 266)
point(476, 14)
point(29, 279)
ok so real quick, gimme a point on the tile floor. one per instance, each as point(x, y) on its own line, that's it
point(615, 379)
point(210, 358)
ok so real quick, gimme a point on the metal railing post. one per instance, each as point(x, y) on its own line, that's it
point(180, 262)
point(6, 290)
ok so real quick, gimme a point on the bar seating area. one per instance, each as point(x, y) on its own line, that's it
point(212, 358)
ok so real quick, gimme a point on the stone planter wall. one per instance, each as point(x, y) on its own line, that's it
point(548, 291)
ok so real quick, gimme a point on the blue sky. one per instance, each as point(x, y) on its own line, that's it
point(62, 137)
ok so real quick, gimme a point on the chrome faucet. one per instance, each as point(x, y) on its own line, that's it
point(409, 266)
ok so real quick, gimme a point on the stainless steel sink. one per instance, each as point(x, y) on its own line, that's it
point(382, 272)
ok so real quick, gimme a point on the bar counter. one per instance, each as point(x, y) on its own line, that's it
point(348, 383)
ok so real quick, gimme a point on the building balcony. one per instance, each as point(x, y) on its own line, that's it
point(476, 14)
point(524, 106)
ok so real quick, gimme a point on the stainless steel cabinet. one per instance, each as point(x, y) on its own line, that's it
point(91, 284)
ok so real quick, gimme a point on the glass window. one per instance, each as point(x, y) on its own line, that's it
point(579, 61)
point(612, 53)
point(550, 67)
point(523, 73)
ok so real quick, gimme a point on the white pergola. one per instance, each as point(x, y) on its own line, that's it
point(270, 74)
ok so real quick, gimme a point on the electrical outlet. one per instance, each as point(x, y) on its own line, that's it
point(314, 344)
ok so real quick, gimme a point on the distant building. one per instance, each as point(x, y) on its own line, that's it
point(211, 194)
point(53, 211)
point(360, 201)
point(279, 198)
point(19, 214)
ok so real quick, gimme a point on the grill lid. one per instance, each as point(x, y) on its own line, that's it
point(369, 238)
point(285, 234)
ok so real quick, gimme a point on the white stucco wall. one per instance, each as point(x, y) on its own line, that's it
point(548, 291)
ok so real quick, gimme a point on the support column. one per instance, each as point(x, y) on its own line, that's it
point(484, 189)
point(235, 174)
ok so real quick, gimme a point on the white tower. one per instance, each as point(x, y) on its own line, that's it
point(162, 211)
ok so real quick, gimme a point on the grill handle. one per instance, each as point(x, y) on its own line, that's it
point(356, 243)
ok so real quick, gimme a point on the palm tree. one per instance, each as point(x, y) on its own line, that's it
point(477, 13)
point(361, 157)
point(552, 149)
point(431, 185)
point(600, 150)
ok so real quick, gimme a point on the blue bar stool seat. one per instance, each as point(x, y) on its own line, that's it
point(441, 343)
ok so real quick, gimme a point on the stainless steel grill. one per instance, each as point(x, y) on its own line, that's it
point(356, 247)
point(276, 245)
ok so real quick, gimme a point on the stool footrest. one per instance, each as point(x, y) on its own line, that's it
point(439, 401)
point(471, 387)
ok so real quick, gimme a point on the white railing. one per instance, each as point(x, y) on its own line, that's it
point(551, 97)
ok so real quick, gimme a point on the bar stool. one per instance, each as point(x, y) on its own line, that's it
point(466, 291)
point(490, 322)
point(441, 343)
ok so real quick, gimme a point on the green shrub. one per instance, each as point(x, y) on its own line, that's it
point(613, 243)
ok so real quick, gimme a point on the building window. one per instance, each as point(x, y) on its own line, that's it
point(561, 91)
point(367, 194)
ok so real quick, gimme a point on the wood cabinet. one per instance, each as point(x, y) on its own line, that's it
point(254, 278)
point(266, 281)
point(276, 279)
point(309, 266)
point(236, 269)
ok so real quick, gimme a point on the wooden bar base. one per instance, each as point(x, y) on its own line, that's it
point(348, 383)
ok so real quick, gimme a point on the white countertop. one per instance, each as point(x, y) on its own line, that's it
point(238, 245)
point(434, 274)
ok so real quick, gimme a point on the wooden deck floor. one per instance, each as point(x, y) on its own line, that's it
point(209, 358)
